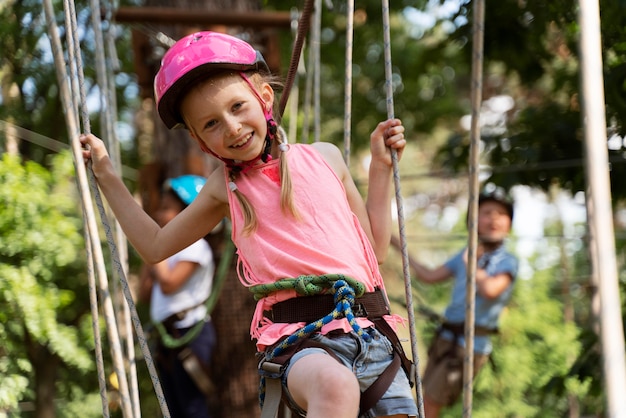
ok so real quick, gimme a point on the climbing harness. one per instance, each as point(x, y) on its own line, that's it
point(196, 369)
point(312, 308)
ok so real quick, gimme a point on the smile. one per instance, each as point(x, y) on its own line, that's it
point(242, 141)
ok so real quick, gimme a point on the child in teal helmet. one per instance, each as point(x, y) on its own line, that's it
point(178, 288)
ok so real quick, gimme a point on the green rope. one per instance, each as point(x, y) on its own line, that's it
point(220, 277)
point(306, 285)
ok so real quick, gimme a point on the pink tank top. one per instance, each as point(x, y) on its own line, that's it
point(327, 238)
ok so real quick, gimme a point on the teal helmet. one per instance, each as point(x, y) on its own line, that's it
point(185, 187)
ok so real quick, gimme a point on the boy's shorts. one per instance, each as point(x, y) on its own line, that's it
point(367, 360)
point(443, 377)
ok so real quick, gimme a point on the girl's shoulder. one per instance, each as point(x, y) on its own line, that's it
point(327, 149)
point(331, 154)
point(216, 185)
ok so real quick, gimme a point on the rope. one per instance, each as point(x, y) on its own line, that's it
point(305, 285)
point(316, 43)
point(118, 359)
point(72, 127)
point(70, 104)
point(303, 27)
point(347, 120)
point(294, 94)
point(308, 89)
point(470, 291)
point(107, 101)
point(401, 223)
point(343, 290)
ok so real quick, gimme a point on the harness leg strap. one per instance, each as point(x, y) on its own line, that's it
point(273, 390)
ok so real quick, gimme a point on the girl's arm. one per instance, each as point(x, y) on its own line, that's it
point(152, 242)
point(388, 134)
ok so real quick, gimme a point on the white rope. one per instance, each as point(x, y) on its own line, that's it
point(470, 291)
point(347, 120)
point(401, 223)
point(89, 216)
point(107, 118)
point(74, 54)
point(70, 103)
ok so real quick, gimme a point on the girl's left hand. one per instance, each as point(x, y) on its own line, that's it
point(388, 134)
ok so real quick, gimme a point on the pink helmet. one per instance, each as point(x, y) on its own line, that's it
point(192, 58)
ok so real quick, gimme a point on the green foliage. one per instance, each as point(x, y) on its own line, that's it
point(543, 140)
point(424, 81)
point(42, 274)
point(29, 92)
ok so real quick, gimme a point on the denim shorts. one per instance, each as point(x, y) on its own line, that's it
point(367, 360)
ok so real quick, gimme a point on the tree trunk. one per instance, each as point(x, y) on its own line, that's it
point(46, 366)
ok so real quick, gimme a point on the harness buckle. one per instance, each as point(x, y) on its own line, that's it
point(359, 310)
point(270, 370)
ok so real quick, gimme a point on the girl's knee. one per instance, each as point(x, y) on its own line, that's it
point(320, 378)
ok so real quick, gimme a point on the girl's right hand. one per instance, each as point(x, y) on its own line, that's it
point(94, 150)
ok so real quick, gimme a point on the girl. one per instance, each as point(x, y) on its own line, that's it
point(295, 211)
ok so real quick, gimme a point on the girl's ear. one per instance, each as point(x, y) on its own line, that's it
point(267, 94)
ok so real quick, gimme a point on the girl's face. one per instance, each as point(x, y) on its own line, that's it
point(494, 223)
point(227, 116)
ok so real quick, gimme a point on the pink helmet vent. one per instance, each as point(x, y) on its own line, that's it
point(192, 58)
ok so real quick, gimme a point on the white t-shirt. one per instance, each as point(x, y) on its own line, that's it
point(192, 293)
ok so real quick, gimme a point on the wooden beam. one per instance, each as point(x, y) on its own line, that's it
point(172, 15)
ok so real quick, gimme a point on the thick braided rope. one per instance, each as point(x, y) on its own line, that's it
point(343, 291)
point(306, 285)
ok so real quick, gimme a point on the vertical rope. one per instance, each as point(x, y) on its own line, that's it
point(308, 89)
point(470, 295)
point(317, 34)
point(69, 102)
point(294, 93)
point(347, 120)
point(118, 360)
point(303, 27)
point(401, 224)
point(107, 116)
point(89, 218)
